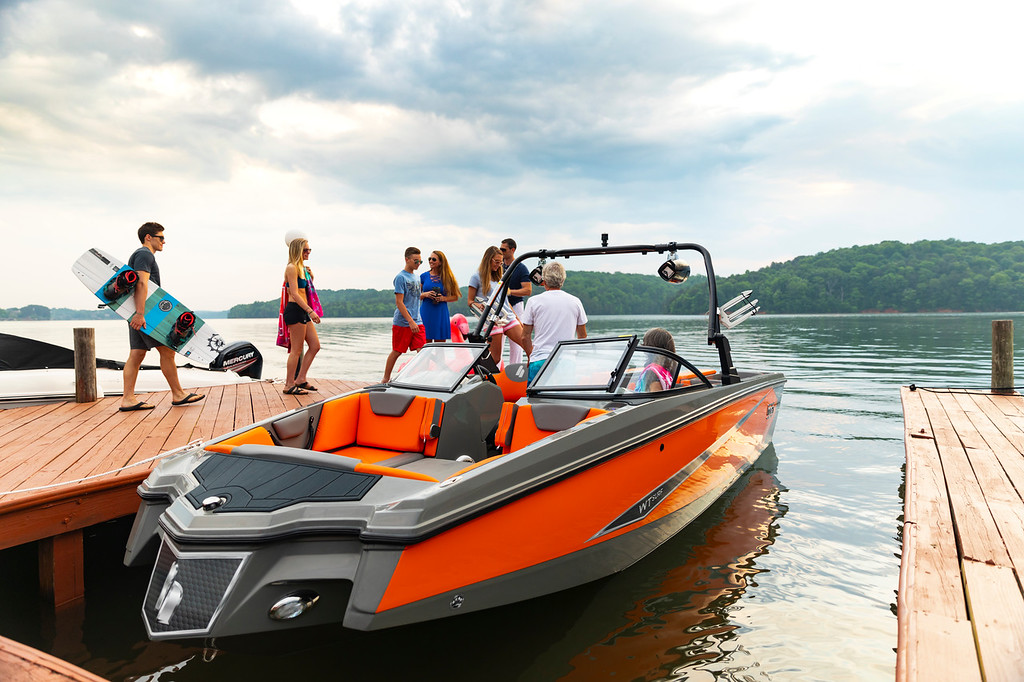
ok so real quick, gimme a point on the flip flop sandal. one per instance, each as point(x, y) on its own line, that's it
point(306, 385)
point(295, 390)
point(137, 407)
point(188, 400)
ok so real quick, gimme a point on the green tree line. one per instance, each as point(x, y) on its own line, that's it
point(925, 276)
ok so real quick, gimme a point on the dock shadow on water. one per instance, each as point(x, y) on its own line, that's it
point(671, 616)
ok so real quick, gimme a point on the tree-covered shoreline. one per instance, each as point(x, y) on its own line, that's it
point(925, 276)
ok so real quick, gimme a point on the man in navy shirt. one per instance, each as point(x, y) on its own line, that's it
point(519, 288)
point(143, 262)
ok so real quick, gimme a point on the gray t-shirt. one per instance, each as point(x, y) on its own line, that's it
point(143, 260)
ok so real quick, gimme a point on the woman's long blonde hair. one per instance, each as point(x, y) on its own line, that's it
point(485, 272)
point(295, 249)
point(448, 281)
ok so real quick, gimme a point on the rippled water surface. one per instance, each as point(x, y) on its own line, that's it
point(791, 576)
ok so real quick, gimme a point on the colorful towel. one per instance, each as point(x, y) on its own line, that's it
point(314, 300)
point(283, 338)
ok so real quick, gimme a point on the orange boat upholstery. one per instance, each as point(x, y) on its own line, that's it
point(377, 425)
point(691, 379)
point(254, 436)
point(521, 425)
point(371, 427)
point(512, 381)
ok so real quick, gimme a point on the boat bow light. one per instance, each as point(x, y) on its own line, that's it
point(293, 606)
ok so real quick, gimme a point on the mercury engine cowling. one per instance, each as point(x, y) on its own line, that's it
point(242, 358)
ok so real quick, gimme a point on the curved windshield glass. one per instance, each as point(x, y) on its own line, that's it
point(440, 366)
point(584, 365)
point(650, 370)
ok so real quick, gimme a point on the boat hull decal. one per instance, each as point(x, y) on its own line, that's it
point(649, 502)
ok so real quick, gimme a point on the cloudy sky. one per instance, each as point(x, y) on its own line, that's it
point(765, 130)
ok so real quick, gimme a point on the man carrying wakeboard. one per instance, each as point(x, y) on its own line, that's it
point(143, 262)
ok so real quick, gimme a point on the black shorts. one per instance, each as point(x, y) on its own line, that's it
point(139, 341)
point(294, 314)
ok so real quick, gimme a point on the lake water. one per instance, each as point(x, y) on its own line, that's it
point(792, 576)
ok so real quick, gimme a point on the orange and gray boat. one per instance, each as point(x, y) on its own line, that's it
point(455, 487)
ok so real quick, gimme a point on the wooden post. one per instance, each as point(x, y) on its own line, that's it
point(1002, 355)
point(85, 365)
point(62, 567)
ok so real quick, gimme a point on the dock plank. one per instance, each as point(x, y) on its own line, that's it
point(998, 617)
point(965, 475)
point(936, 568)
point(977, 531)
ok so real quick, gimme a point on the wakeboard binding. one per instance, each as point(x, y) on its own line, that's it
point(182, 329)
point(121, 285)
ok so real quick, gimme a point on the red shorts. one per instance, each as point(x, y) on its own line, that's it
point(402, 338)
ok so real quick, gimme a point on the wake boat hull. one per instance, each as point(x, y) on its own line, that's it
point(593, 508)
point(454, 488)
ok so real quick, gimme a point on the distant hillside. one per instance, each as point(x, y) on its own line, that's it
point(926, 276)
point(602, 293)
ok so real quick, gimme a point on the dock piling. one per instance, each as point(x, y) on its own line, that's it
point(85, 365)
point(1002, 356)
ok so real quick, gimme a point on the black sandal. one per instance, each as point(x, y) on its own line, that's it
point(306, 385)
point(295, 390)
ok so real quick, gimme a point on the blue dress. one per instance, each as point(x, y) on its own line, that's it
point(436, 323)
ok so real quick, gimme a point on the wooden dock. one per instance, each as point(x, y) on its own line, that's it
point(960, 606)
point(66, 466)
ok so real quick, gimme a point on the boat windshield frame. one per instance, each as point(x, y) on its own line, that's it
point(728, 374)
point(568, 353)
point(447, 373)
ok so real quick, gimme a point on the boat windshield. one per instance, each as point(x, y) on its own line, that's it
point(440, 366)
point(584, 365)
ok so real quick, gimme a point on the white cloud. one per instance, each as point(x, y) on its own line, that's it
point(768, 131)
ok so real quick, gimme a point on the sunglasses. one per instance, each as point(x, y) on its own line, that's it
point(432, 259)
point(306, 250)
point(160, 237)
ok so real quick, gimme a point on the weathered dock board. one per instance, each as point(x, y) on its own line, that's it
point(66, 466)
point(961, 607)
point(20, 663)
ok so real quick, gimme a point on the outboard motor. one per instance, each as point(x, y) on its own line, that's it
point(242, 358)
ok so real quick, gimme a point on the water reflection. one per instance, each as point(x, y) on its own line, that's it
point(745, 593)
point(667, 617)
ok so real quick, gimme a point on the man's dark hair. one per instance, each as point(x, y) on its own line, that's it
point(151, 229)
point(510, 243)
point(411, 251)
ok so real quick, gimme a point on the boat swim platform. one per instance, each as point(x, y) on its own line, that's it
point(65, 466)
point(960, 606)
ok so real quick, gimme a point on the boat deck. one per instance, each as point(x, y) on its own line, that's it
point(960, 604)
point(65, 466)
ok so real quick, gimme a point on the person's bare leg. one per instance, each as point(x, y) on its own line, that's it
point(312, 348)
point(130, 375)
point(297, 334)
point(170, 372)
point(390, 365)
point(495, 342)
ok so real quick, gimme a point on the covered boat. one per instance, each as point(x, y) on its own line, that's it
point(454, 488)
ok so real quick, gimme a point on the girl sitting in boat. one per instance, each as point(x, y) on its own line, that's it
point(657, 375)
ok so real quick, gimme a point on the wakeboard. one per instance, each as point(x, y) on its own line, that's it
point(168, 321)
